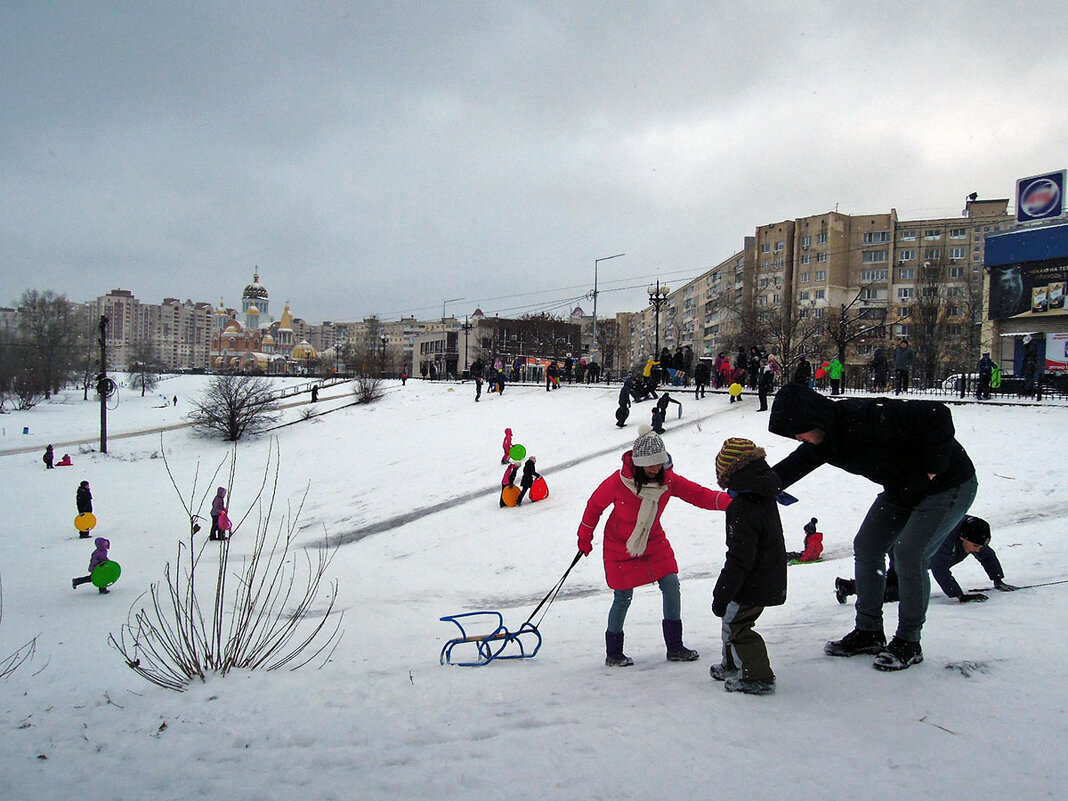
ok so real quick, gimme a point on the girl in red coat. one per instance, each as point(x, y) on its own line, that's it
point(636, 549)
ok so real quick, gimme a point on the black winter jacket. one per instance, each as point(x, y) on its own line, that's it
point(754, 570)
point(895, 443)
point(83, 499)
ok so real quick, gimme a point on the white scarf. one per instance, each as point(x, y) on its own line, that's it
point(650, 495)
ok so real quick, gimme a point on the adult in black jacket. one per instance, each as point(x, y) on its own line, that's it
point(754, 569)
point(928, 484)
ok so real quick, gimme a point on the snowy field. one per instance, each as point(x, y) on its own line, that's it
point(983, 717)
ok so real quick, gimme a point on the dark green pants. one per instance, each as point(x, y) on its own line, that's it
point(742, 646)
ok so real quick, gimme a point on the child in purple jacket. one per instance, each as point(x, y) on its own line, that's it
point(100, 555)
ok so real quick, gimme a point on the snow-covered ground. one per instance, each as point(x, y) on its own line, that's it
point(983, 716)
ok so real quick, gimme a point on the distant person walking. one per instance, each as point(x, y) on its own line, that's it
point(904, 356)
point(49, 455)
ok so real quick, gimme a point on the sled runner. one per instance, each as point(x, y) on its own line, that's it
point(499, 642)
point(492, 645)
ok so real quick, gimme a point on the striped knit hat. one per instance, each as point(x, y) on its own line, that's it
point(648, 448)
point(735, 454)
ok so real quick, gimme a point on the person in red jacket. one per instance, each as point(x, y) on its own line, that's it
point(636, 549)
point(813, 545)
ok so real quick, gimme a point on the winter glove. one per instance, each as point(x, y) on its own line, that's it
point(785, 498)
point(965, 597)
point(718, 609)
point(1001, 585)
point(585, 542)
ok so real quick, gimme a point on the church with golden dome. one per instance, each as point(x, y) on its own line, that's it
point(253, 341)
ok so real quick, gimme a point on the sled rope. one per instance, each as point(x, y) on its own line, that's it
point(551, 595)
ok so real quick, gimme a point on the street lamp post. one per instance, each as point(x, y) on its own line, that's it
point(596, 263)
point(657, 298)
point(450, 300)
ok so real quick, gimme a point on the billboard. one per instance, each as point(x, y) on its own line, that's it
point(1057, 352)
point(1040, 197)
point(1029, 289)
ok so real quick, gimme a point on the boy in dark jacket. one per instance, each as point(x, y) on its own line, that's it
point(754, 570)
point(83, 499)
point(970, 537)
point(928, 484)
point(660, 412)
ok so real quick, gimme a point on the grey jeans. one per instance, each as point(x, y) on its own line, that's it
point(915, 533)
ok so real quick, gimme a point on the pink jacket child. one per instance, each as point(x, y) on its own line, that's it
point(99, 556)
point(636, 549)
point(508, 479)
point(507, 444)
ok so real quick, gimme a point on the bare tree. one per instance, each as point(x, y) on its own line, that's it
point(608, 342)
point(144, 366)
point(234, 405)
point(48, 325)
point(927, 328)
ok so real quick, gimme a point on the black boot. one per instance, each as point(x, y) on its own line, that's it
point(843, 588)
point(676, 651)
point(613, 645)
point(858, 641)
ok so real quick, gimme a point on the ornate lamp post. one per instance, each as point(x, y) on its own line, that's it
point(658, 295)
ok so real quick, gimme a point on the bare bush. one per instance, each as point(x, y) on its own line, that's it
point(256, 615)
point(367, 390)
point(13, 662)
point(234, 405)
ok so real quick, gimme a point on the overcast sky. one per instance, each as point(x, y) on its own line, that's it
point(382, 158)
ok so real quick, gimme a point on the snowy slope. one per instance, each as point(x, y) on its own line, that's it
point(383, 720)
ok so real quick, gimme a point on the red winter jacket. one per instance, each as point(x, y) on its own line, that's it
point(813, 547)
point(621, 570)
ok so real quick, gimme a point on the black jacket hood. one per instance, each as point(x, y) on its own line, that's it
point(797, 409)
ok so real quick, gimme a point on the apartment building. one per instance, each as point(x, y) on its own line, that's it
point(801, 272)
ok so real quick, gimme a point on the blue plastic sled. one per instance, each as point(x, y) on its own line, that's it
point(493, 645)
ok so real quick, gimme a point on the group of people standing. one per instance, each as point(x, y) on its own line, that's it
point(908, 447)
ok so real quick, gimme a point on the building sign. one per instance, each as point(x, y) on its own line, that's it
point(1040, 197)
point(1057, 353)
point(1028, 289)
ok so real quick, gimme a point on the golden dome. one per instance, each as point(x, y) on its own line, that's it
point(304, 350)
point(255, 289)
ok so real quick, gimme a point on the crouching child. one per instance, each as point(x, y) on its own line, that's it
point(754, 569)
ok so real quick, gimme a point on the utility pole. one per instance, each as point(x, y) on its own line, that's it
point(102, 384)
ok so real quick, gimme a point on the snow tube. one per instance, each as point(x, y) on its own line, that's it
point(510, 495)
point(106, 574)
point(539, 490)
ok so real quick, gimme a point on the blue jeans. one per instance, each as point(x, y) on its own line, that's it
point(669, 588)
point(915, 533)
